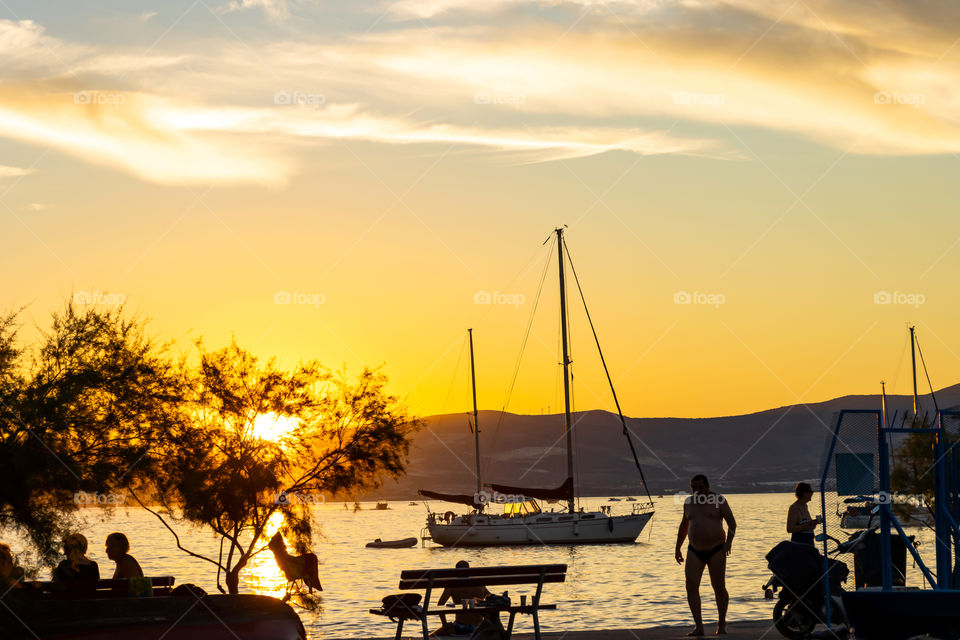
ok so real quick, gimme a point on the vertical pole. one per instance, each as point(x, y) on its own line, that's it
point(886, 572)
point(883, 404)
point(476, 412)
point(567, 424)
point(944, 534)
point(913, 361)
point(827, 600)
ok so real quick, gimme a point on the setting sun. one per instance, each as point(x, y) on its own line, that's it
point(270, 426)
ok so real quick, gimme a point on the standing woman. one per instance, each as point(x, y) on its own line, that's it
point(799, 523)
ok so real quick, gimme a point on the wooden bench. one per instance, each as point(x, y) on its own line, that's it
point(161, 586)
point(431, 579)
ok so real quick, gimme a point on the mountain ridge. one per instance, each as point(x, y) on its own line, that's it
point(767, 450)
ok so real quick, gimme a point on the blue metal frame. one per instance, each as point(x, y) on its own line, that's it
point(887, 514)
point(946, 475)
point(823, 501)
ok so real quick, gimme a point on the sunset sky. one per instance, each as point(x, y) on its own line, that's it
point(760, 195)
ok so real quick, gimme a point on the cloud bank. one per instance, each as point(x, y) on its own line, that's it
point(530, 81)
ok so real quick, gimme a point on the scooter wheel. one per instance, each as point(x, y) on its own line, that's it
point(793, 620)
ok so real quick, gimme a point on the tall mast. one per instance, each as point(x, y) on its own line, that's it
point(476, 413)
point(883, 403)
point(913, 360)
point(567, 424)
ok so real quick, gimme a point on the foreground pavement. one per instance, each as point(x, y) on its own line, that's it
point(758, 630)
point(735, 631)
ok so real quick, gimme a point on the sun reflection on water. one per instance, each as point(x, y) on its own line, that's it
point(262, 575)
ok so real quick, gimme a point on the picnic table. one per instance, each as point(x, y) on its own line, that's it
point(403, 609)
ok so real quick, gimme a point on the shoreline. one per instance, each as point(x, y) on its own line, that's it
point(746, 630)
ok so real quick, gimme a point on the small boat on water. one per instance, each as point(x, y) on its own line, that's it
point(382, 505)
point(412, 503)
point(614, 500)
point(404, 543)
point(631, 500)
point(858, 517)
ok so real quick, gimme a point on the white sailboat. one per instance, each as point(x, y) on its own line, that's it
point(523, 522)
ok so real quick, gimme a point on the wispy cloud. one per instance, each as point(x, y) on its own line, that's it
point(124, 130)
point(13, 172)
point(274, 8)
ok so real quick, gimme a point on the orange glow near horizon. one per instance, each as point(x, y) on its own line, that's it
point(755, 211)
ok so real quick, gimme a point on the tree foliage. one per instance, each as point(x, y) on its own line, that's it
point(216, 471)
point(96, 406)
point(912, 468)
point(78, 415)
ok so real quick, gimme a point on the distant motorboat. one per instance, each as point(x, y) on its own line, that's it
point(404, 543)
point(859, 517)
point(382, 504)
point(412, 504)
point(614, 500)
point(630, 500)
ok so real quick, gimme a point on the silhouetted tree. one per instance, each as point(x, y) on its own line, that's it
point(78, 416)
point(912, 471)
point(219, 473)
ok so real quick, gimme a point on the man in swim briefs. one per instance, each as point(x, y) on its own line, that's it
point(703, 515)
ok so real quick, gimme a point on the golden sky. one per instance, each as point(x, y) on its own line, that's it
point(761, 195)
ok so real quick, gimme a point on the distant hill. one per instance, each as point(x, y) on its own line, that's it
point(766, 451)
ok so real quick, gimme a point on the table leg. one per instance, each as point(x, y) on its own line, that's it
point(510, 624)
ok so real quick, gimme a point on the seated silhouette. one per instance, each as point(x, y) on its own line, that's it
point(118, 548)
point(77, 575)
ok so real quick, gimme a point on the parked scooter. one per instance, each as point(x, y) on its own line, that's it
point(798, 574)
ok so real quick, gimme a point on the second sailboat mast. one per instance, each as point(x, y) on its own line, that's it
point(476, 413)
point(567, 423)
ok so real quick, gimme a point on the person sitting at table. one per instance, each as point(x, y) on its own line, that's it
point(11, 576)
point(118, 548)
point(14, 586)
point(465, 621)
point(77, 574)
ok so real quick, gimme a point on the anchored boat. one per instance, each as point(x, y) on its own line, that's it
point(404, 543)
point(523, 522)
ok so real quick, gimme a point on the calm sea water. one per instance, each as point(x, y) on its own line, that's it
point(608, 586)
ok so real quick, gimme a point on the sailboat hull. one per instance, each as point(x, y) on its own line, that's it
point(582, 528)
